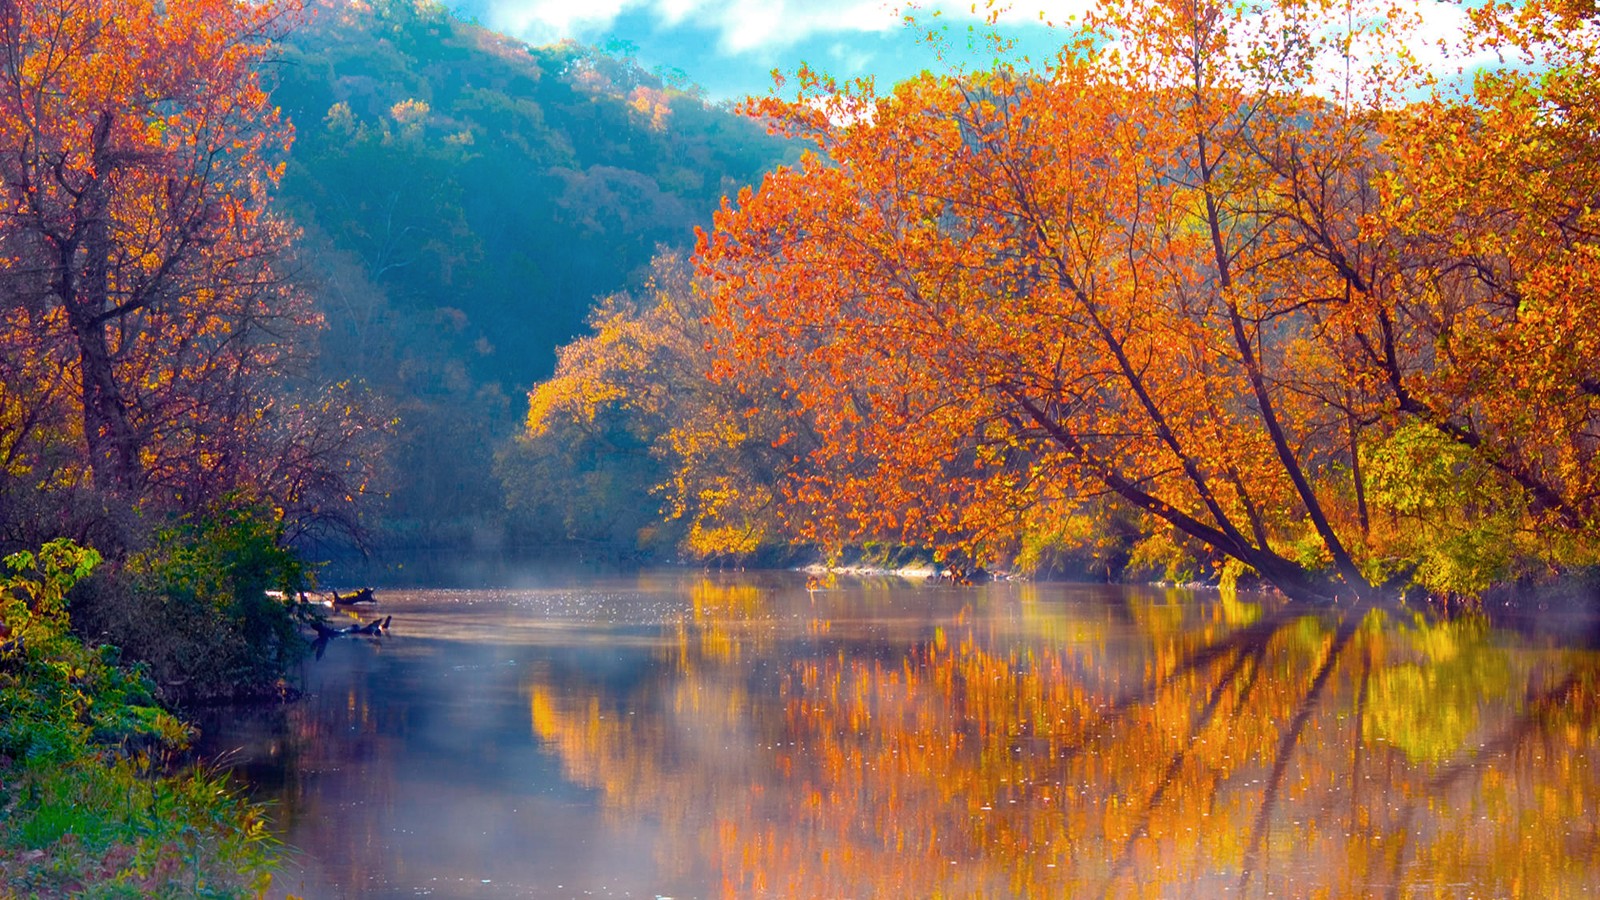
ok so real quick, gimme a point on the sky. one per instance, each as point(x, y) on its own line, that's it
point(730, 47)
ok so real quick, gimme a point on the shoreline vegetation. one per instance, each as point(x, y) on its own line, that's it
point(1575, 590)
point(90, 804)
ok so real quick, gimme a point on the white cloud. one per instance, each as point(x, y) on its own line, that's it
point(851, 60)
point(541, 21)
point(674, 12)
point(740, 26)
point(747, 25)
point(1432, 33)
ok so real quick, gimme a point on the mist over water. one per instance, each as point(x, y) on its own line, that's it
point(691, 735)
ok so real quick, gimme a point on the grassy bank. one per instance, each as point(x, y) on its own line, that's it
point(85, 808)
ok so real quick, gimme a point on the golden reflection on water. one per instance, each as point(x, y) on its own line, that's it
point(806, 743)
point(747, 737)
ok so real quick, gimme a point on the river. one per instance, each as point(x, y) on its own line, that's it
point(688, 735)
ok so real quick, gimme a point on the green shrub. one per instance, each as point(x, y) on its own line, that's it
point(1094, 541)
point(194, 608)
point(1445, 521)
point(1167, 556)
point(58, 698)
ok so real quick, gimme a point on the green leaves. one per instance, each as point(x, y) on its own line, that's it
point(33, 598)
point(1446, 520)
point(58, 698)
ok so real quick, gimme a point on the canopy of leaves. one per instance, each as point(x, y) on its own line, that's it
point(1178, 269)
point(151, 334)
point(630, 450)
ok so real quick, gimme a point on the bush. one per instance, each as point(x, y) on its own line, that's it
point(194, 608)
point(58, 698)
point(1092, 542)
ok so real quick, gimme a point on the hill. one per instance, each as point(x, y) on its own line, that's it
point(465, 197)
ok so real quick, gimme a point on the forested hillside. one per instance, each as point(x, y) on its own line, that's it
point(465, 198)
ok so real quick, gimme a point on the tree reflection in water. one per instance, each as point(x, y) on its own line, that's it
point(1141, 748)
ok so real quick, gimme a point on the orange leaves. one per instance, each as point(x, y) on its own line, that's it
point(1171, 270)
point(947, 263)
point(139, 144)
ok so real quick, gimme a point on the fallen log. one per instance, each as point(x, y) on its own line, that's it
point(362, 596)
point(326, 632)
point(376, 626)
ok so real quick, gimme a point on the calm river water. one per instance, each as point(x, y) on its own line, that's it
point(699, 736)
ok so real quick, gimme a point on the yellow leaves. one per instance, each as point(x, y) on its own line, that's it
point(551, 401)
point(710, 541)
point(611, 368)
point(410, 111)
point(653, 105)
point(638, 382)
point(412, 116)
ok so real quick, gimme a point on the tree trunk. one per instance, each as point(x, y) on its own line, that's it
point(111, 441)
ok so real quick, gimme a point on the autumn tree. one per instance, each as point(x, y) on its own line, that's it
point(139, 146)
point(628, 445)
point(1186, 267)
point(152, 326)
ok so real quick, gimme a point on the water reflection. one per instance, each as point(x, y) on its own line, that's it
point(701, 737)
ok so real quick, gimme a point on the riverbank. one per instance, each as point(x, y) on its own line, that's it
point(88, 807)
point(99, 826)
